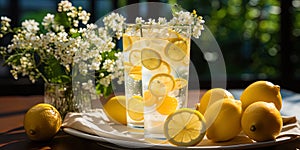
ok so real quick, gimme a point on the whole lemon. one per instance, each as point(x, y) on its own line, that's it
point(261, 91)
point(211, 96)
point(223, 120)
point(115, 108)
point(42, 122)
point(261, 121)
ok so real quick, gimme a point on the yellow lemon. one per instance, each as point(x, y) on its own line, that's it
point(136, 108)
point(115, 108)
point(42, 122)
point(223, 120)
point(160, 84)
point(150, 58)
point(211, 96)
point(261, 121)
point(261, 91)
point(185, 127)
point(167, 106)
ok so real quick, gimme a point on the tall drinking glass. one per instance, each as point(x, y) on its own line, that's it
point(133, 77)
point(156, 74)
point(165, 58)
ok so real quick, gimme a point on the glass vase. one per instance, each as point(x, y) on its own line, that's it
point(66, 98)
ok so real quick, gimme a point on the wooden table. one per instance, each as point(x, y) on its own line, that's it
point(13, 137)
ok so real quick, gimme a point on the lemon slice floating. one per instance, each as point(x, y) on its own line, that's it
point(180, 83)
point(185, 127)
point(135, 57)
point(127, 42)
point(163, 68)
point(136, 73)
point(149, 99)
point(150, 58)
point(136, 108)
point(173, 36)
point(176, 51)
point(160, 84)
point(167, 106)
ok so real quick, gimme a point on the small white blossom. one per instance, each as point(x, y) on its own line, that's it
point(139, 20)
point(84, 16)
point(48, 20)
point(64, 6)
point(30, 26)
point(162, 21)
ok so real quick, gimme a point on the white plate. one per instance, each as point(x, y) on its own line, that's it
point(116, 143)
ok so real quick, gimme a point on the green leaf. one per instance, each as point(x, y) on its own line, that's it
point(55, 72)
point(176, 8)
point(13, 58)
point(75, 35)
point(62, 19)
point(105, 91)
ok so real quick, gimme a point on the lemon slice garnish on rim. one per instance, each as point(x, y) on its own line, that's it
point(176, 51)
point(185, 127)
point(150, 58)
point(160, 84)
point(136, 108)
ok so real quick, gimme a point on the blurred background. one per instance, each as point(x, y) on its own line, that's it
point(259, 39)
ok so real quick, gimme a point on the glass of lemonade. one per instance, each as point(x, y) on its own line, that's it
point(156, 74)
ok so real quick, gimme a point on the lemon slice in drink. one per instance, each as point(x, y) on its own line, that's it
point(180, 83)
point(163, 68)
point(173, 36)
point(136, 108)
point(167, 106)
point(150, 58)
point(127, 42)
point(135, 57)
point(185, 127)
point(160, 84)
point(136, 73)
point(149, 99)
point(176, 51)
point(127, 66)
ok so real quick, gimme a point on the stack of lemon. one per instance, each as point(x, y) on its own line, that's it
point(222, 117)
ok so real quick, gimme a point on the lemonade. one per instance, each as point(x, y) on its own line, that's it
point(157, 69)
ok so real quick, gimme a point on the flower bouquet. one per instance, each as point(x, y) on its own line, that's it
point(64, 50)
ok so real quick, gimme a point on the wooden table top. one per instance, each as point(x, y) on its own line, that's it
point(13, 137)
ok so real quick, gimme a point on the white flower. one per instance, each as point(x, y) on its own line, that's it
point(151, 21)
point(48, 20)
point(64, 6)
point(84, 16)
point(5, 19)
point(162, 21)
point(139, 20)
point(114, 22)
point(31, 26)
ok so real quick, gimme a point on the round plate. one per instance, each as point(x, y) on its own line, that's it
point(128, 144)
